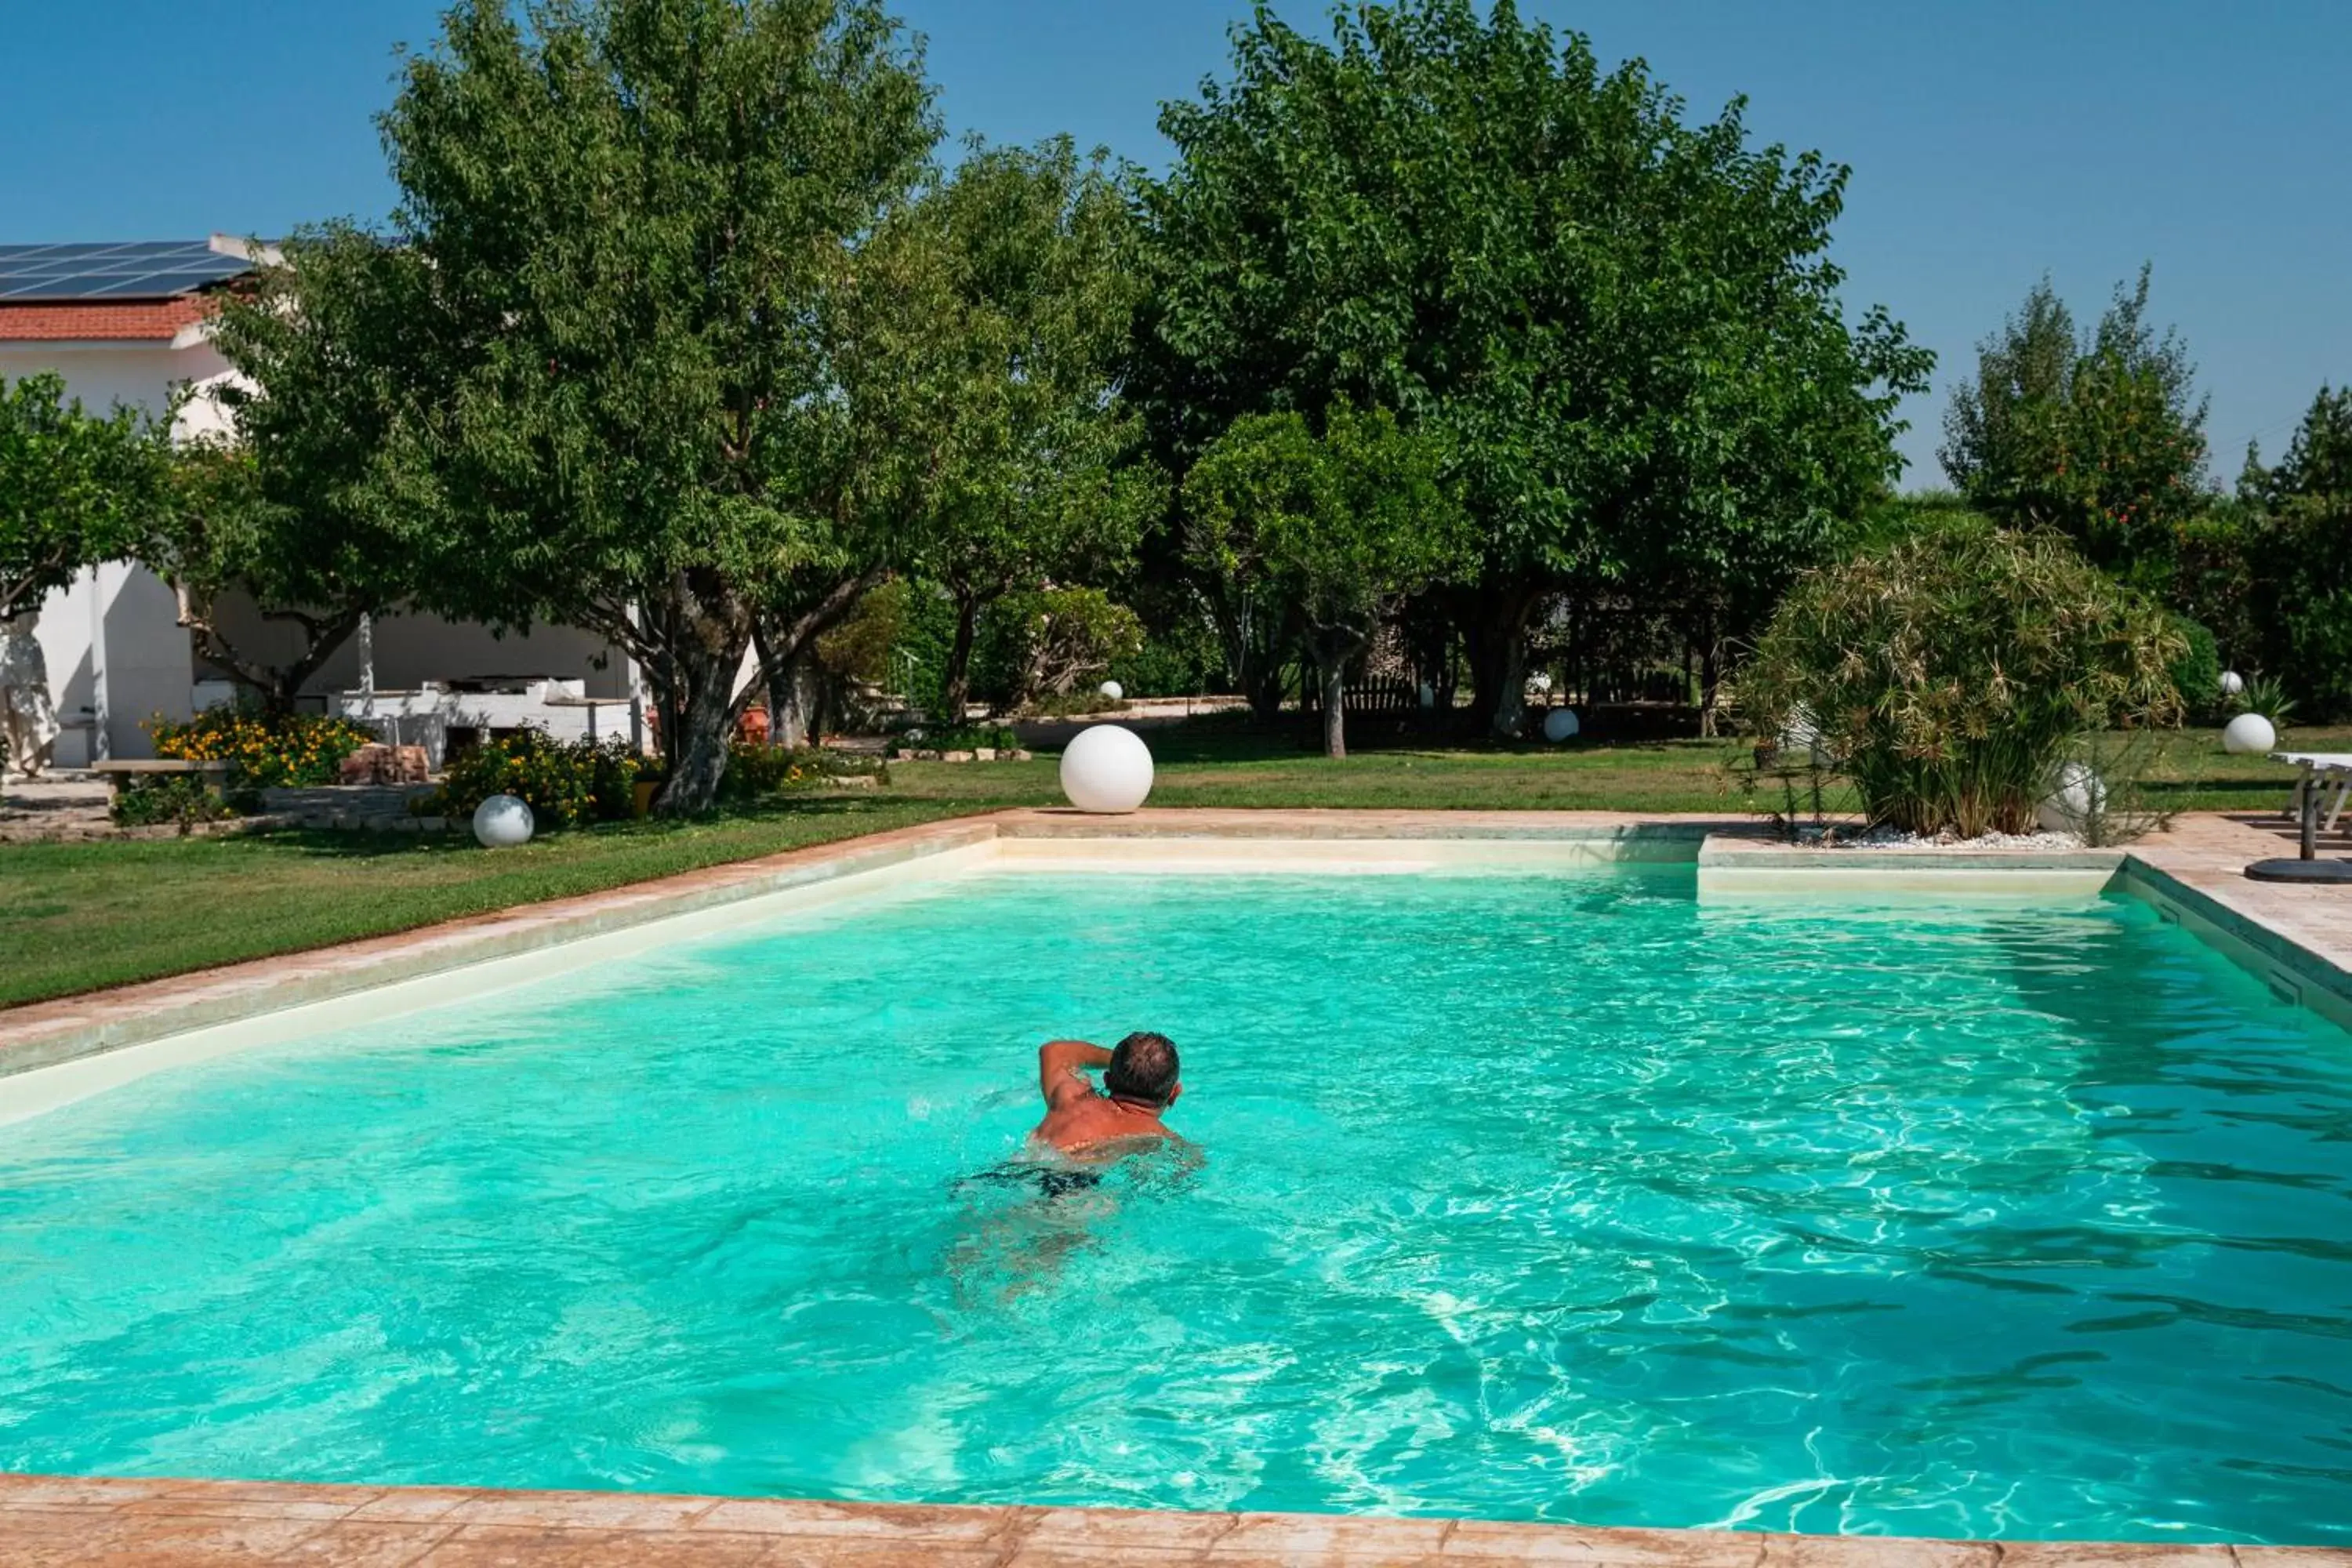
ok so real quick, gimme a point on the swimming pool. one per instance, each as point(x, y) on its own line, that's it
point(1549, 1198)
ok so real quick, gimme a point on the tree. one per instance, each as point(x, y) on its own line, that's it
point(2302, 552)
point(1623, 330)
point(633, 216)
point(1340, 528)
point(76, 488)
point(308, 509)
point(2101, 437)
point(1029, 288)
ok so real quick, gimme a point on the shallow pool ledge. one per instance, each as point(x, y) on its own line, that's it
point(1744, 865)
point(70, 1519)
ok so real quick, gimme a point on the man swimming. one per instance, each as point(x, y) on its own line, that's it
point(1138, 1085)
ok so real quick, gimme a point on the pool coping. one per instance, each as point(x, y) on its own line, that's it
point(63, 1520)
point(2299, 939)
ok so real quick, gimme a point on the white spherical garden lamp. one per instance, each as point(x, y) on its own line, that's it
point(1114, 690)
point(2249, 734)
point(503, 822)
point(2232, 683)
point(2078, 795)
point(1560, 724)
point(1106, 769)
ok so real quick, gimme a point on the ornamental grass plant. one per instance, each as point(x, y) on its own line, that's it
point(1951, 674)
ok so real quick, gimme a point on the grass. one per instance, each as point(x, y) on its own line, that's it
point(77, 917)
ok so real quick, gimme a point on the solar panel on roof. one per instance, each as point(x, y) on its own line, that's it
point(136, 270)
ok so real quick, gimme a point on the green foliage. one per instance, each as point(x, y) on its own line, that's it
point(2267, 696)
point(2304, 552)
point(312, 511)
point(176, 798)
point(1025, 285)
point(634, 228)
point(1950, 675)
point(2197, 673)
point(957, 737)
point(859, 647)
point(76, 488)
point(564, 782)
point(2101, 437)
point(270, 749)
point(1338, 528)
point(1625, 331)
point(757, 771)
point(1059, 638)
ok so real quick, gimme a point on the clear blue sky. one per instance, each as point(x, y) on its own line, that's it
point(1991, 140)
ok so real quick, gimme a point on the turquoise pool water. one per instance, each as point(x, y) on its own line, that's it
point(1547, 1198)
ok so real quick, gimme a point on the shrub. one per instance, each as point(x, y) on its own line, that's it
point(268, 749)
point(1063, 637)
point(563, 783)
point(1950, 674)
point(755, 770)
point(2197, 673)
point(179, 798)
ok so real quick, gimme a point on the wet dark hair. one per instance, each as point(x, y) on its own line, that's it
point(1142, 1067)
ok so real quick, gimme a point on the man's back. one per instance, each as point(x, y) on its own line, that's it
point(1140, 1084)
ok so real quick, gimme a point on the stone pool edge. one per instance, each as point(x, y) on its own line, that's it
point(2295, 939)
point(66, 1519)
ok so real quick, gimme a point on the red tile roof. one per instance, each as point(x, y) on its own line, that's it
point(129, 320)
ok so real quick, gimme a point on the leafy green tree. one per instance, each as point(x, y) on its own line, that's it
point(308, 509)
point(2301, 554)
point(633, 216)
point(1339, 527)
point(76, 488)
point(1623, 329)
point(1024, 290)
point(2101, 437)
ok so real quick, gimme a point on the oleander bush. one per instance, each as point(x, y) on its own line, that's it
point(1952, 674)
point(269, 749)
point(564, 782)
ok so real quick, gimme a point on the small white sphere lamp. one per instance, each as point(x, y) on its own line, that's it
point(1560, 724)
point(2249, 734)
point(503, 822)
point(2232, 683)
point(1106, 769)
point(1114, 690)
point(2078, 795)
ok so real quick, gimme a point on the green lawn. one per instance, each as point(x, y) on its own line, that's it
point(76, 917)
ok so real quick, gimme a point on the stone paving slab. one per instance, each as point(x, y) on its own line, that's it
point(63, 1521)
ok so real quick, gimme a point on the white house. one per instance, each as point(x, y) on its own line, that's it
point(128, 324)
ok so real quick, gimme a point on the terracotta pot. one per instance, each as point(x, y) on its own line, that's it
point(641, 796)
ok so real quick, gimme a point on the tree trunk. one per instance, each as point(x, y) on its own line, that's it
point(955, 690)
point(1710, 682)
point(1334, 668)
point(709, 631)
point(1495, 630)
point(697, 748)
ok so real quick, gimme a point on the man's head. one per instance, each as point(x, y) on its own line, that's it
point(1143, 1069)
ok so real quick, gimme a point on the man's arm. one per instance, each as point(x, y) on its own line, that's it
point(1061, 1069)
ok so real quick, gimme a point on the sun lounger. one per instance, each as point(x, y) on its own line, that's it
point(2322, 771)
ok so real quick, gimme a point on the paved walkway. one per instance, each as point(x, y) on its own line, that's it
point(54, 1522)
